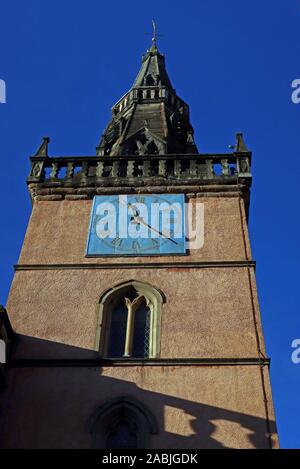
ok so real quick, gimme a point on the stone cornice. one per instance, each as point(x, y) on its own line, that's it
point(91, 362)
point(138, 265)
point(123, 186)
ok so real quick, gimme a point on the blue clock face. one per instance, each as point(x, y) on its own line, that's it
point(136, 225)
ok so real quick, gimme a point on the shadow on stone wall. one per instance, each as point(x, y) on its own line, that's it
point(47, 405)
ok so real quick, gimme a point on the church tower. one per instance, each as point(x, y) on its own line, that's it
point(134, 314)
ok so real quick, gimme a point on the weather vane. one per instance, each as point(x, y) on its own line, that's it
point(154, 33)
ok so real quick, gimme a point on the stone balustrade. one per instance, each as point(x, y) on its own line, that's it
point(107, 170)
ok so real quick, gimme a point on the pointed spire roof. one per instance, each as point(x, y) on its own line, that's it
point(153, 65)
point(150, 118)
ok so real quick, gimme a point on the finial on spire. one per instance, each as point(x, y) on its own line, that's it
point(154, 33)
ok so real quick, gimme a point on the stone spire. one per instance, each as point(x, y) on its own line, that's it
point(150, 118)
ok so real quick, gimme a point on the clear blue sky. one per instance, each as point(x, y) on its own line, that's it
point(67, 62)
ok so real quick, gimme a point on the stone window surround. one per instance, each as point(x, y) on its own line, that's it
point(154, 299)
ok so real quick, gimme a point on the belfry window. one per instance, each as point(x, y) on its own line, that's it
point(129, 322)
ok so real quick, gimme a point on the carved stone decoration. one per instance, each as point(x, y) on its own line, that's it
point(146, 168)
point(225, 167)
point(130, 169)
point(70, 170)
point(99, 169)
point(144, 143)
point(54, 171)
point(177, 168)
point(152, 148)
point(193, 168)
point(162, 168)
point(36, 170)
point(202, 170)
point(210, 168)
point(84, 171)
point(115, 169)
point(244, 166)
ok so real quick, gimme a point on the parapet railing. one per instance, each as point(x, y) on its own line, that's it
point(105, 170)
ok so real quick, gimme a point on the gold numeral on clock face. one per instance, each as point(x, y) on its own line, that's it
point(155, 243)
point(140, 200)
point(136, 245)
point(117, 242)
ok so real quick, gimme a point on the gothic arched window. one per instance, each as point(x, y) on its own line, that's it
point(130, 321)
point(122, 423)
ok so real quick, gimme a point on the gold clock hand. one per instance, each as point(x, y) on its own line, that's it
point(140, 220)
point(130, 205)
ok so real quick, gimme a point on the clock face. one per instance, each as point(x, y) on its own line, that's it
point(137, 225)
